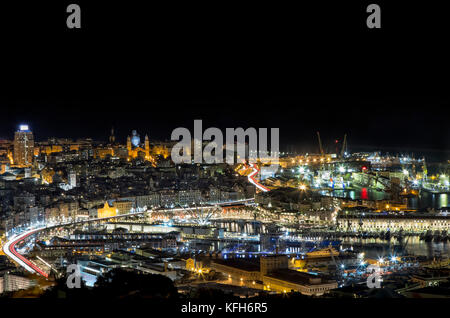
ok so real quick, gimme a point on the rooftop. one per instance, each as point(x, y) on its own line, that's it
point(297, 277)
point(246, 265)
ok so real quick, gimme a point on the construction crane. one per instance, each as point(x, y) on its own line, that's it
point(339, 268)
point(320, 145)
point(344, 146)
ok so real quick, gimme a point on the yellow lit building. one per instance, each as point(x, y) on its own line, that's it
point(107, 211)
point(52, 148)
point(135, 149)
point(10, 157)
point(123, 206)
point(297, 263)
point(47, 175)
point(2, 240)
point(190, 264)
point(102, 152)
point(160, 150)
point(407, 222)
point(273, 272)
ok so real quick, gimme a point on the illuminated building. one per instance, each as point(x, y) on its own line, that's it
point(121, 152)
point(272, 262)
point(23, 146)
point(247, 270)
point(27, 172)
point(123, 206)
point(191, 265)
point(136, 149)
point(107, 211)
point(52, 149)
point(160, 150)
point(286, 280)
point(62, 210)
point(74, 147)
point(376, 222)
point(151, 199)
point(10, 283)
point(273, 271)
point(47, 175)
point(103, 152)
point(73, 179)
point(189, 197)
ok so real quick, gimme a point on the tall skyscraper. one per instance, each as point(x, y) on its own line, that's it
point(23, 146)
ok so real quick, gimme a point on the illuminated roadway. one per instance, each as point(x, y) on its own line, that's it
point(252, 180)
point(9, 248)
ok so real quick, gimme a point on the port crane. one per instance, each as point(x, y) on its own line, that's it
point(339, 270)
point(320, 145)
point(344, 147)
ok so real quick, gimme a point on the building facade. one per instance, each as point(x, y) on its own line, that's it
point(23, 146)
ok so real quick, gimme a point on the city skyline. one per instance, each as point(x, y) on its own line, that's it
point(368, 123)
point(309, 167)
point(79, 214)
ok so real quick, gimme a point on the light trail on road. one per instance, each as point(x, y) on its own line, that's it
point(252, 180)
point(9, 248)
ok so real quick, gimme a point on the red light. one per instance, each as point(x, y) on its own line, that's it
point(364, 168)
point(364, 194)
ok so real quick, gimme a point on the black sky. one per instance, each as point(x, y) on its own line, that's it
point(159, 66)
point(398, 123)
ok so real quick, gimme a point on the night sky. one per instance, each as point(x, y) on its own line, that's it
point(158, 67)
point(393, 124)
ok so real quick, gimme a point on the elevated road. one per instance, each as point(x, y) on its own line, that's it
point(252, 180)
point(9, 248)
